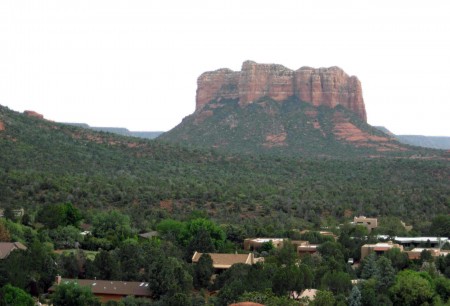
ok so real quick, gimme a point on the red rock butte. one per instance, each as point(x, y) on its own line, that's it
point(321, 86)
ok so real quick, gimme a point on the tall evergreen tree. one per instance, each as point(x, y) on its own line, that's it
point(369, 267)
point(355, 297)
point(385, 274)
point(203, 270)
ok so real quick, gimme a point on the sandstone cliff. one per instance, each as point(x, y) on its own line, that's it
point(322, 86)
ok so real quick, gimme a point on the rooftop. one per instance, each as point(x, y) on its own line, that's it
point(110, 287)
point(7, 247)
point(225, 261)
point(262, 240)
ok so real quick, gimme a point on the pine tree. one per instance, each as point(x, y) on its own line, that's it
point(355, 297)
point(369, 267)
point(385, 274)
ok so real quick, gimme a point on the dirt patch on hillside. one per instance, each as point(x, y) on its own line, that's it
point(275, 140)
point(2, 126)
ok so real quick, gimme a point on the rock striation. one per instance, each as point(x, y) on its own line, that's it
point(323, 86)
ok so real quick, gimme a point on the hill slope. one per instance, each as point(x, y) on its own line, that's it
point(291, 127)
point(45, 162)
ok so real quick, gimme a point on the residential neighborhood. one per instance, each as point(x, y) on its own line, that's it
point(113, 276)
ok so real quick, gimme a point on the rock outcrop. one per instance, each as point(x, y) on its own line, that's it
point(33, 114)
point(322, 86)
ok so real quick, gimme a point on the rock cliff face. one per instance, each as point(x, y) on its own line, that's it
point(322, 86)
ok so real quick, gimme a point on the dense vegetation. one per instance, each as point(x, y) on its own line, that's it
point(295, 128)
point(45, 163)
point(66, 177)
point(164, 262)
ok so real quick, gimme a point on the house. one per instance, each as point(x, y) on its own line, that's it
point(306, 248)
point(223, 261)
point(309, 294)
point(107, 290)
point(379, 248)
point(416, 252)
point(323, 233)
point(429, 242)
point(7, 247)
point(369, 223)
point(251, 244)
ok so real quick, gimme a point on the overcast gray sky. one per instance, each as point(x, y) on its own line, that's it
point(135, 64)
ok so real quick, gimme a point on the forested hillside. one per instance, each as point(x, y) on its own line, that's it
point(45, 162)
point(289, 128)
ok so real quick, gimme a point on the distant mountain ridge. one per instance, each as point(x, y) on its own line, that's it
point(119, 130)
point(433, 142)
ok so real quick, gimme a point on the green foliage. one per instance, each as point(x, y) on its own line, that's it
point(267, 298)
point(332, 254)
point(171, 227)
point(392, 226)
point(266, 247)
point(398, 258)
point(286, 255)
point(291, 278)
point(323, 298)
point(369, 292)
point(54, 215)
point(234, 128)
point(105, 266)
point(167, 276)
point(203, 272)
point(4, 233)
point(314, 237)
point(440, 226)
point(33, 269)
point(442, 286)
point(369, 266)
point(65, 237)
point(133, 301)
point(73, 264)
point(177, 299)
point(197, 226)
point(19, 232)
point(337, 282)
point(113, 225)
point(443, 265)
point(355, 297)
point(104, 171)
point(9, 214)
point(10, 295)
point(71, 294)
point(385, 274)
point(411, 288)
